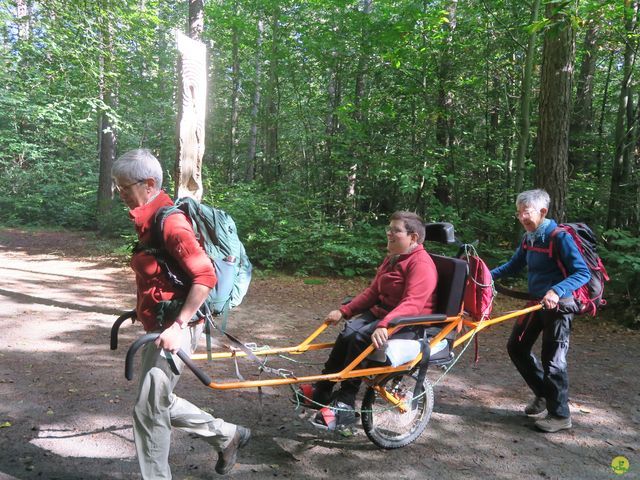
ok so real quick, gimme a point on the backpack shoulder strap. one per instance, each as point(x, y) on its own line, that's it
point(548, 250)
point(157, 228)
point(554, 248)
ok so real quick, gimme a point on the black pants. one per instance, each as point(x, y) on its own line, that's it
point(351, 342)
point(547, 378)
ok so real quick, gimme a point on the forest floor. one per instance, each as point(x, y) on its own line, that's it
point(65, 406)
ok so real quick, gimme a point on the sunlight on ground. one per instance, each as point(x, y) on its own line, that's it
point(103, 442)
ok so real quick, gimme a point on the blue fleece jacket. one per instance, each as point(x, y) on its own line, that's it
point(543, 272)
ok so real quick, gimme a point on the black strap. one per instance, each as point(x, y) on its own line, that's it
point(425, 349)
point(248, 352)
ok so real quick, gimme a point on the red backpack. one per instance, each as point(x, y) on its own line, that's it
point(588, 296)
point(479, 291)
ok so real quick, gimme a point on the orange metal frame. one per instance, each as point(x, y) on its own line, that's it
point(372, 375)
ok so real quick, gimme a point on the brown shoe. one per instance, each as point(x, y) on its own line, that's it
point(227, 457)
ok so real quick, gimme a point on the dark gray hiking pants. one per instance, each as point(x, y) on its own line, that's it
point(548, 376)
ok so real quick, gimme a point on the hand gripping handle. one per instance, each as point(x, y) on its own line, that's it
point(151, 337)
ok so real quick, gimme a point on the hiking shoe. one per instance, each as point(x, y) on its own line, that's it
point(553, 424)
point(227, 457)
point(536, 406)
point(338, 416)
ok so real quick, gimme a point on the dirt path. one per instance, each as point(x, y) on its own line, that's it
point(65, 404)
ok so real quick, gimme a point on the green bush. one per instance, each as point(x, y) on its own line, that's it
point(622, 261)
point(287, 231)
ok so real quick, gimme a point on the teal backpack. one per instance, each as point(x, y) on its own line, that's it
point(217, 233)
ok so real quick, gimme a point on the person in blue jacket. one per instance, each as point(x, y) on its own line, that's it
point(547, 377)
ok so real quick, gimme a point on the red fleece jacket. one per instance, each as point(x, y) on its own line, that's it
point(153, 286)
point(405, 288)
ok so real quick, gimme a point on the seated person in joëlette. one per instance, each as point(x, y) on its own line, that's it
point(404, 285)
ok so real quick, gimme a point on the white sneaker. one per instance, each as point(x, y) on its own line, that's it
point(553, 424)
point(536, 407)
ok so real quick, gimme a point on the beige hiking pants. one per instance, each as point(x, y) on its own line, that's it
point(158, 409)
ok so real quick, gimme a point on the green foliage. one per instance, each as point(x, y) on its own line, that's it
point(284, 230)
point(408, 105)
point(621, 257)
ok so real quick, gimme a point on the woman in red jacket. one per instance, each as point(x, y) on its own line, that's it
point(404, 285)
point(137, 177)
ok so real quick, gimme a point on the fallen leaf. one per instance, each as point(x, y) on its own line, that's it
point(5, 424)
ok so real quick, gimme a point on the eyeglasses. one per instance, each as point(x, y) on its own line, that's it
point(394, 230)
point(528, 213)
point(120, 188)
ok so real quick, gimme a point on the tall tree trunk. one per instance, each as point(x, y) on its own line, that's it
point(255, 106)
point(235, 93)
point(444, 120)
point(358, 114)
point(192, 105)
point(422, 148)
point(525, 100)
point(107, 137)
point(635, 205)
point(582, 119)
point(272, 104)
point(23, 17)
point(555, 107)
point(603, 111)
point(621, 192)
point(196, 19)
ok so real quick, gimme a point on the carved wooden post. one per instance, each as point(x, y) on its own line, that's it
point(192, 95)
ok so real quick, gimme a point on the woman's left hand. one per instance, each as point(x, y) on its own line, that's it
point(550, 300)
point(171, 338)
point(379, 337)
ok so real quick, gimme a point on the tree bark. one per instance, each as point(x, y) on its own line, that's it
point(621, 192)
point(444, 120)
point(23, 17)
point(272, 104)
point(358, 114)
point(192, 95)
point(525, 101)
point(582, 119)
point(235, 93)
point(555, 107)
point(196, 19)
point(107, 138)
point(603, 112)
point(255, 106)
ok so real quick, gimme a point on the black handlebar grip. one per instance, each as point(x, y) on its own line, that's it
point(116, 326)
point(135, 346)
point(151, 337)
point(203, 377)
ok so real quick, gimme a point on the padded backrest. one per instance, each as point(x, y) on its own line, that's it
point(452, 278)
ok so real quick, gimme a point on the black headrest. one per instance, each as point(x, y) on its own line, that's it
point(441, 232)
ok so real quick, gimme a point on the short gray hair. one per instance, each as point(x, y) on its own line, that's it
point(537, 199)
point(137, 165)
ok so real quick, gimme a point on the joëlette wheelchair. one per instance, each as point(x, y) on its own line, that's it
point(398, 402)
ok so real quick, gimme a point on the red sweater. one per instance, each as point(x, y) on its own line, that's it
point(407, 288)
point(153, 286)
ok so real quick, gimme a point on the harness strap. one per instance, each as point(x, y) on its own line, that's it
point(249, 353)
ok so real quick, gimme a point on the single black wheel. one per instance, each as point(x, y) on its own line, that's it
point(387, 425)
